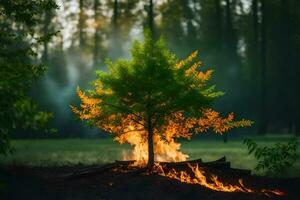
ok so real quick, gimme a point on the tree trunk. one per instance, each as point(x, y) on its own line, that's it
point(81, 23)
point(150, 145)
point(286, 65)
point(96, 34)
point(47, 21)
point(255, 21)
point(225, 138)
point(115, 14)
point(263, 121)
point(229, 51)
point(116, 48)
point(253, 91)
point(231, 39)
point(45, 52)
point(218, 25)
point(151, 17)
point(228, 28)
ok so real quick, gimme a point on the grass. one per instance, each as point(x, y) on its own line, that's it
point(61, 152)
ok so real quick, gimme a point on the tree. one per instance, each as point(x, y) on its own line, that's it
point(295, 49)
point(153, 93)
point(97, 32)
point(151, 17)
point(115, 43)
point(48, 15)
point(17, 69)
point(263, 115)
point(125, 15)
point(171, 25)
point(81, 24)
point(286, 61)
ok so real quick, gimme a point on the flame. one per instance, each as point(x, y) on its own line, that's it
point(168, 150)
point(165, 150)
point(198, 178)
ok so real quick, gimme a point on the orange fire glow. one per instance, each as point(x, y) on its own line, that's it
point(213, 183)
point(164, 150)
point(169, 151)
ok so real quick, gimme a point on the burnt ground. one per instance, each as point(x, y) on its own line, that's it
point(50, 183)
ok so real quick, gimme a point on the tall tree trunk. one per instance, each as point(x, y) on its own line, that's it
point(115, 16)
point(150, 144)
point(254, 81)
point(225, 137)
point(228, 43)
point(286, 66)
point(116, 48)
point(47, 21)
point(81, 24)
point(96, 34)
point(255, 22)
point(151, 17)
point(230, 36)
point(228, 28)
point(218, 25)
point(263, 119)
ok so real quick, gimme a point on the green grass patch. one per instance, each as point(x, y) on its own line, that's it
point(62, 152)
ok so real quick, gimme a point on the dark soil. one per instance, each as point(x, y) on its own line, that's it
point(50, 183)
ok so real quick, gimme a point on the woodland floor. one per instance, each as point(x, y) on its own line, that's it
point(49, 183)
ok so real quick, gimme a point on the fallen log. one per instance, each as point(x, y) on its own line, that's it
point(220, 163)
point(93, 170)
point(124, 162)
point(222, 159)
point(217, 166)
point(197, 161)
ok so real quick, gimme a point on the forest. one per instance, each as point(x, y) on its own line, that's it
point(76, 75)
point(252, 46)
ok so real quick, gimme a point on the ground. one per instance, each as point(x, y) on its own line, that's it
point(37, 168)
point(49, 183)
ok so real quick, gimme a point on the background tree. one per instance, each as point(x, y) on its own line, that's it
point(263, 121)
point(17, 71)
point(131, 97)
point(97, 34)
point(81, 23)
point(171, 25)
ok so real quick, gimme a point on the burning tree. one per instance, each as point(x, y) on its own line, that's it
point(151, 100)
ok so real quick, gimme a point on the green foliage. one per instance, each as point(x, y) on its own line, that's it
point(18, 69)
point(273, 159)
point(149, 85)
point(29, 116)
